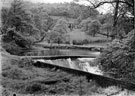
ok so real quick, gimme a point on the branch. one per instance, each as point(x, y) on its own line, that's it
point(109, 2)
point(91, 3)
point(40, 39)
point(102, 3)
point(105, 34)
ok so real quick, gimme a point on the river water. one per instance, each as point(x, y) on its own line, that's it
point(49, 52)
point(84, 64)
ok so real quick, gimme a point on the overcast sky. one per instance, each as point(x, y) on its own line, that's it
point(50, 1)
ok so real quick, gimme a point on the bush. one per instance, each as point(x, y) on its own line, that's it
point(77, 42)
point(84, 24)
point(34, 88)
point(16, 73)
point(5, 92)
point(56, 37)
point(93, 28)
point(67, 42)
point(85, 41)
point(119, 58)
point(25, 63)
point(12, 48)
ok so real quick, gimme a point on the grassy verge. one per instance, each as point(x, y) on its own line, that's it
point(22, 77)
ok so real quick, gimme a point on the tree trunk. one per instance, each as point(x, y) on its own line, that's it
point(115, 17)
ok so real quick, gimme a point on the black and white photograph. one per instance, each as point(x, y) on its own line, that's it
point(67, 48)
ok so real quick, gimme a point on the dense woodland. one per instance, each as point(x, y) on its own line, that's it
point(25, 24)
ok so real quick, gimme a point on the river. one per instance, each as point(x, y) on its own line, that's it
point(84, 64)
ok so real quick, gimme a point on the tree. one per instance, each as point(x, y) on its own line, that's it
point(56, 37)
point(58, 33)
point(17, 25)
point(74, 10)
point(84, 24)
point(42, 20)
point(94, 27)
point(16, 16)
point(91, 27)
point(118, 59)
point(28, 28)
point(87, 11)
point(122, 9)
point(107, 27)
point(61, 26)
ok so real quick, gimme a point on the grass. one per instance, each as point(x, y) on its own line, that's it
point(22, 77)
point(78, 35)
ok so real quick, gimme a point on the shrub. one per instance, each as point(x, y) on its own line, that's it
point(56, 37)
point(85, 41)
point(77, 42)
point(5, 92)
point(33, 88)
point(12, 48)
point(119, 58)
point(93, 28)
point(25, 63)
point(67, 42)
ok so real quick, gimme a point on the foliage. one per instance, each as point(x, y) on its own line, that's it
point(16, 16)
point(55, 37)
point(118, 58)
point(35, 88)
point(61, 26)
point(94, 28)
point(5, 92)
point(107, 28)
point(58, 33)
point(16, 26)
point(88, 12)
point(42, 20)
point(22, 26)
point(84, 24)
point(121, 18)
point(74, 10)
point(90, 26)
point(12, 48)
point(40, 79)
point(25, 63)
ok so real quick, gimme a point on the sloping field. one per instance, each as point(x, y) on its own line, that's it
point(77, 34)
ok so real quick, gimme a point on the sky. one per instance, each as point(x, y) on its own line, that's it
point(50, 1)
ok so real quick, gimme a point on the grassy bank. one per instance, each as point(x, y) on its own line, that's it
point(22, 77)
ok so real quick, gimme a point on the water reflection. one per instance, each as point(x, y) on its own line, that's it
point(51, 52)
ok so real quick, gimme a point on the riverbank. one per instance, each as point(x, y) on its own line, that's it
point(25, 78)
